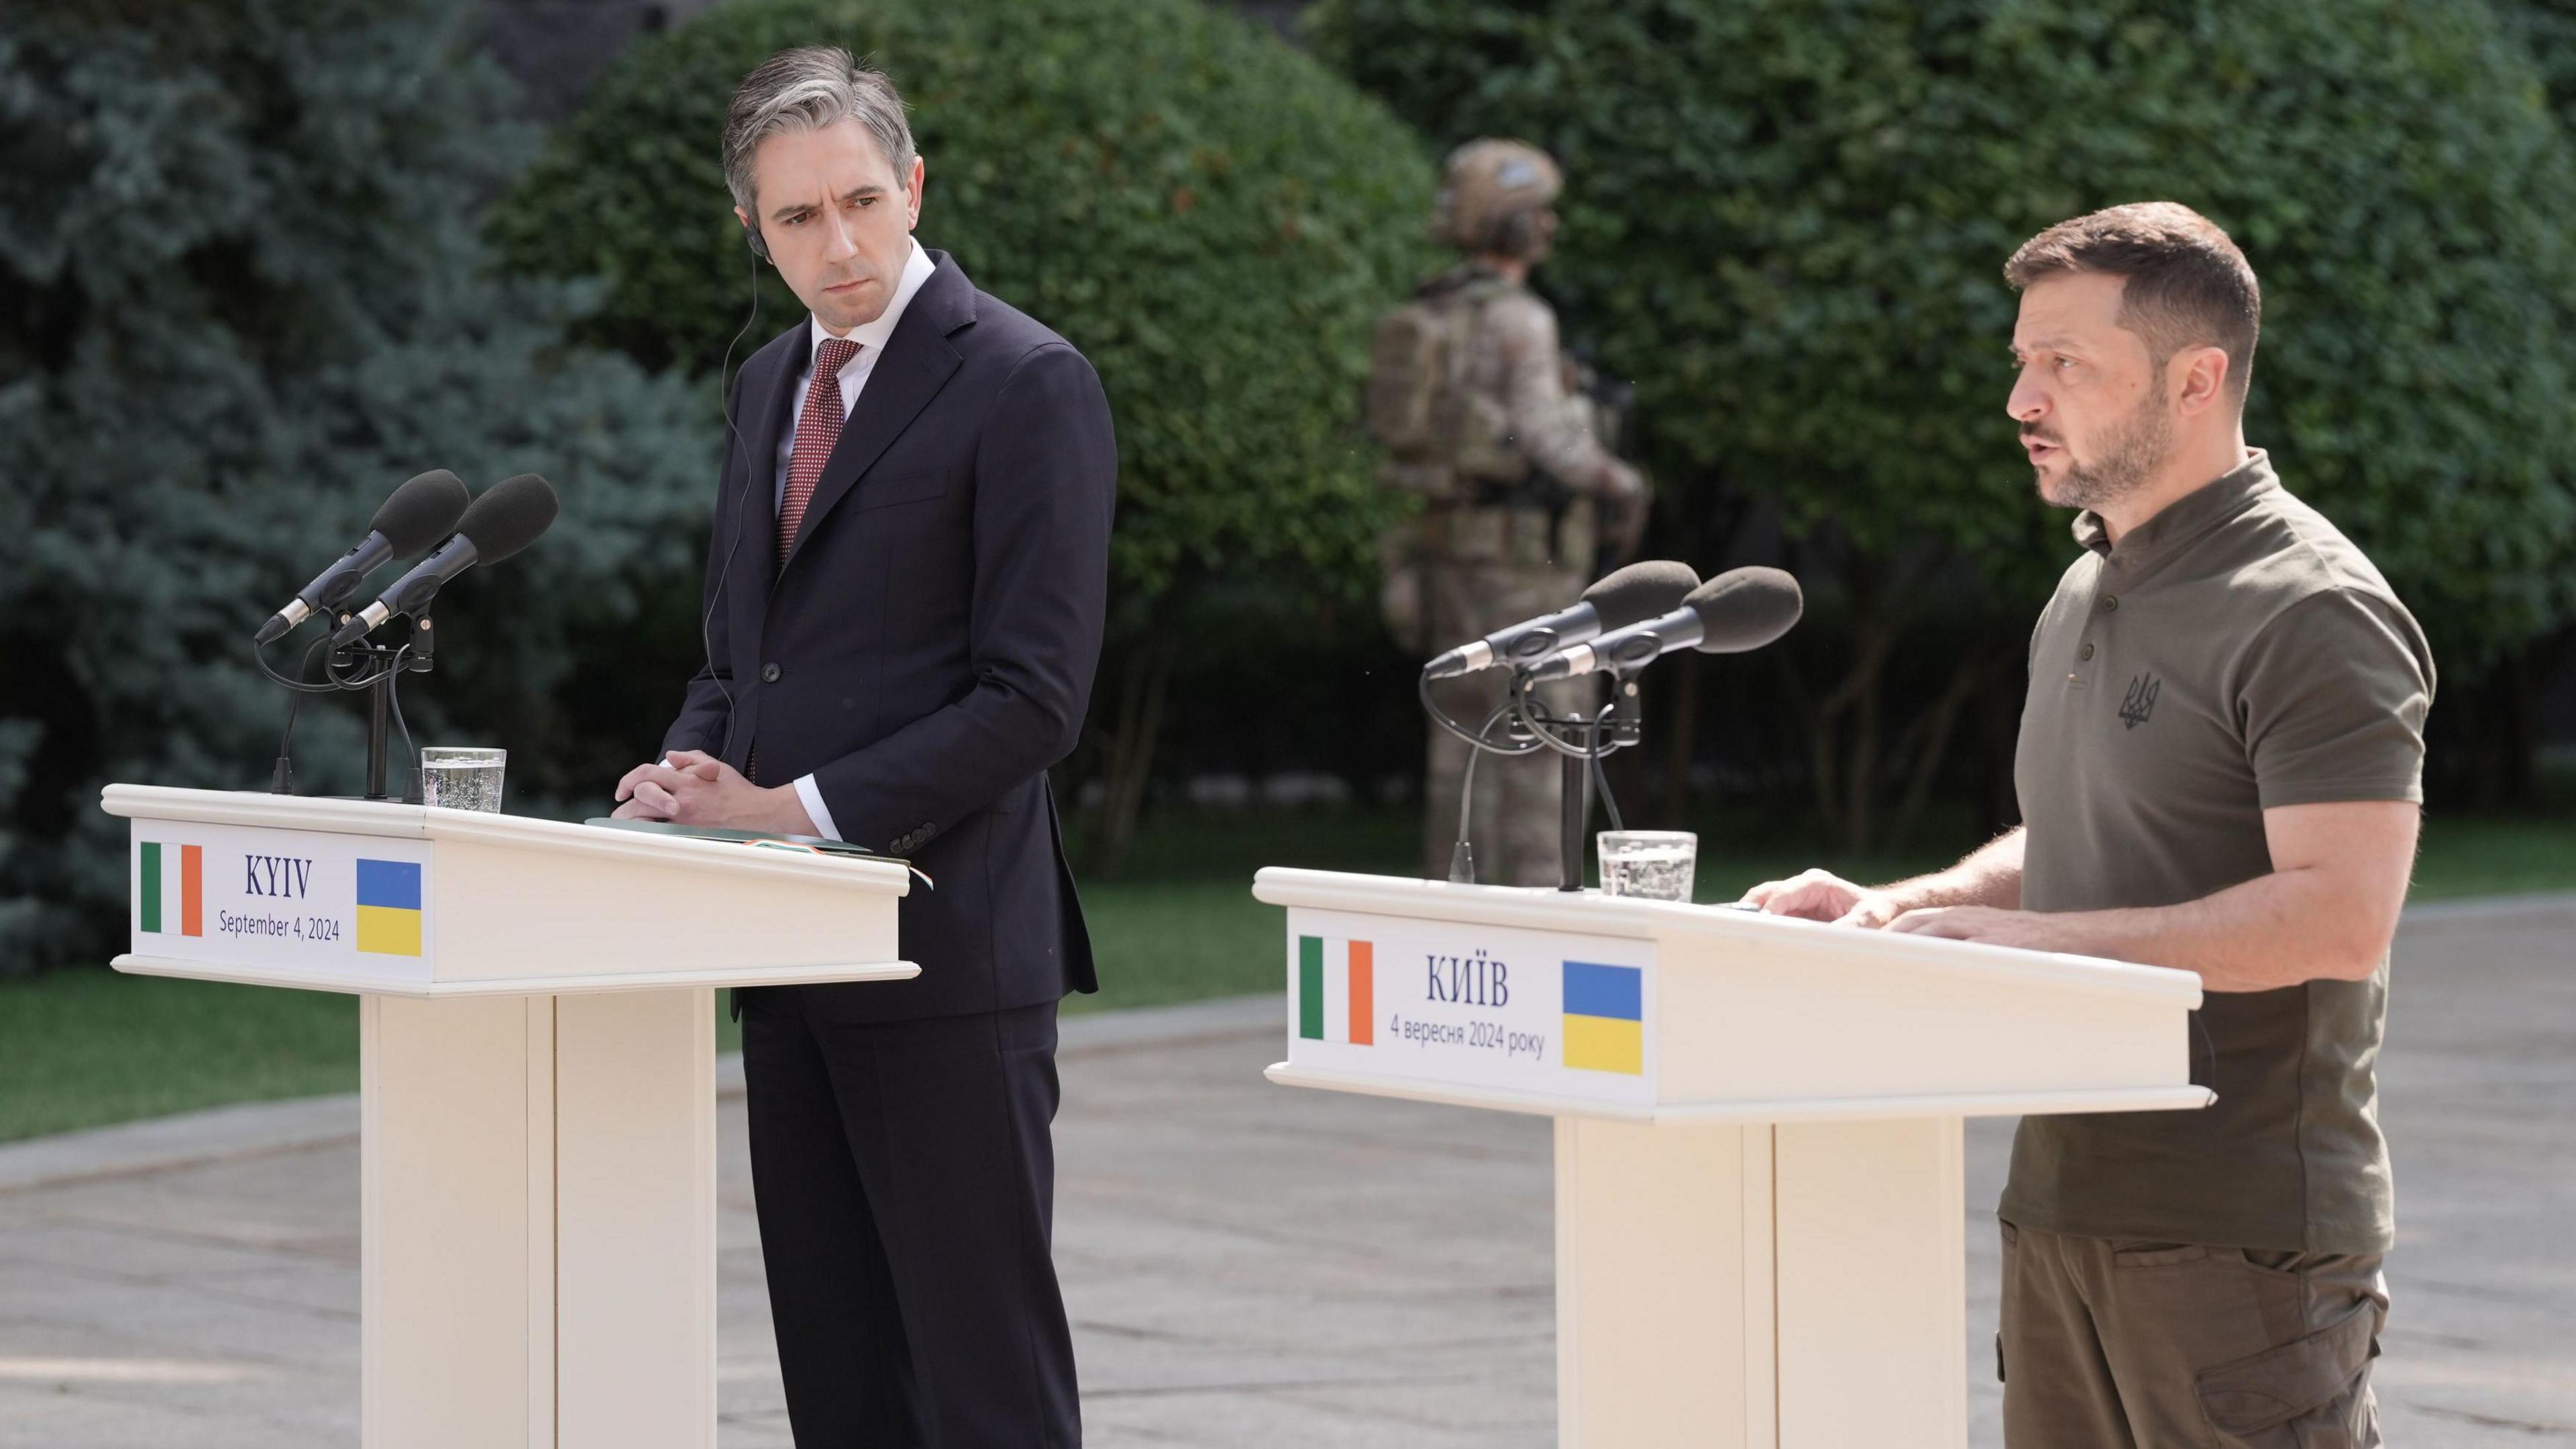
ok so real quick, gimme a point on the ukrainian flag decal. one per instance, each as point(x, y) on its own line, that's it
point(1605, 1018)
point(389, 907)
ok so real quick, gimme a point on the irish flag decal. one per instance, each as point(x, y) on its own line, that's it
point(170, 889)
point(1336, 990)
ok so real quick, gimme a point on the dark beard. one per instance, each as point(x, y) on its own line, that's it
point(2132, 451)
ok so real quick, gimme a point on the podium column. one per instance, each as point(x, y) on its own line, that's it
point(456, 1221)
point(1799, 1286)
point(635, 1208)
point(537, 1206)
point(1873, 1283)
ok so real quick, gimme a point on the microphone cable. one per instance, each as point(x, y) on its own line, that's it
point(1462, 858)
point(281, 777)
point(742, 505)
point(1601, 777)
point(1431, 707)
point(297, 684)
point(393, 701)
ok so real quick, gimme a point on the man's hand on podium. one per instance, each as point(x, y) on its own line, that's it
point(691, 787)
point(2029, 930)
point(1818, 895)
point(1989, 879)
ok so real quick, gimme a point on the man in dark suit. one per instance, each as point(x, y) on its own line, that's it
point(904, 597)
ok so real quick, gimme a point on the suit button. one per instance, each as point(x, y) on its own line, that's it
point(2087, 652)
point(2111, 604)
point(769, 673)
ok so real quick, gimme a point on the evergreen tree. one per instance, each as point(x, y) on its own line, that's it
point(243, 294)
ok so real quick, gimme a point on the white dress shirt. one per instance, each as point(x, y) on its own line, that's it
point(871, 337)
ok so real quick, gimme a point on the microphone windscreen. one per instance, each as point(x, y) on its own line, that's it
point(1745, 609)
point(508, 517)
point(421, 512)
point(1639, 592)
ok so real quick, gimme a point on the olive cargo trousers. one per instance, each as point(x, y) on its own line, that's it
point(2112, 1344)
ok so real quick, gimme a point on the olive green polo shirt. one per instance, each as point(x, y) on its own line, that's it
point(2233, 653)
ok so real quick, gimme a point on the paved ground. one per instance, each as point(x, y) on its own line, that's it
point(1251, 1266)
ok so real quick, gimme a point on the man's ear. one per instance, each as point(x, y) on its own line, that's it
point(912, 194)
point(2204, 379)
point(742, 216)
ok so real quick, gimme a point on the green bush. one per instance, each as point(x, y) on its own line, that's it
point(2547, 28)
point(1213, 218)
point(1787, 222)
point(242, 295)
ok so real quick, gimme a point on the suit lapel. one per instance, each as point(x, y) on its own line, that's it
point(918, 361)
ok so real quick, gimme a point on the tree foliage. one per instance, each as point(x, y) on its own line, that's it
point(242, 295)
point(2547, 29)
point(1788, 220)
point(1212, 217)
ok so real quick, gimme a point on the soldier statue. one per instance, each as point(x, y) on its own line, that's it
point(1498, 434)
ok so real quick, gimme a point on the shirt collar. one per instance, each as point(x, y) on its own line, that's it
point(872, 335)
point(2186, 518)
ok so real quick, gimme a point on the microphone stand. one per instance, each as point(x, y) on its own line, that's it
point(1574, 811)
point(1614, 728)
point(1462, 860)
point(417, 655)
point(380, 706)
point(1534, 729)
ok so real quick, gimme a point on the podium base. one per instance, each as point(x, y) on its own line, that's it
point(1802, 1286)
point(538, 1224)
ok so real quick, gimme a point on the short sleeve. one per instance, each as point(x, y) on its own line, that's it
point(2332, 699)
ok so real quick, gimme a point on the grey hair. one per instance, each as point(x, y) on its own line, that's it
point(806, 89)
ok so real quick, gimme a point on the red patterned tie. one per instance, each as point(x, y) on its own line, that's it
point(816, 431)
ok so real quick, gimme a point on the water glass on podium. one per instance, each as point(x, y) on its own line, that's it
point(1654, 864)
point(462, 778)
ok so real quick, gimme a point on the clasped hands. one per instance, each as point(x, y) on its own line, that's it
point(692, 787)
point(1818, 895)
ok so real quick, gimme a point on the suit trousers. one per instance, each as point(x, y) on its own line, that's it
point(2112, 1344)
point(905, 1179)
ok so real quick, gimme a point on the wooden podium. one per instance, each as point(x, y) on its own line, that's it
point(537, 1078)
point(1759, 1238)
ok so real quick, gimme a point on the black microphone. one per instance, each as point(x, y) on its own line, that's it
point(420, 513)
point(1738, 610)
point(507, 518)
point(1639, 591)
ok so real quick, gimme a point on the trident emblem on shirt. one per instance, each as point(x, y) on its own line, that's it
point(2141, 700)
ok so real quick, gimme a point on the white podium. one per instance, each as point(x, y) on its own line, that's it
point(1759, 1236)
point(537, 1078)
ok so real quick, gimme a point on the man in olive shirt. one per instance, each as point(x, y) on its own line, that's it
point(2219, 771)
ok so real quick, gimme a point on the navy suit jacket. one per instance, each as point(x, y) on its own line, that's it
point(926, 650)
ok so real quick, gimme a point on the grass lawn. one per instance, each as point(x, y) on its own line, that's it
point(82, 1048)
point(85, 1048)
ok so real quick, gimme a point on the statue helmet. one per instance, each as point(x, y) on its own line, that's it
point(1489, 182)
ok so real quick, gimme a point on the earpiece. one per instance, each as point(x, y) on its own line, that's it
point(759, 246)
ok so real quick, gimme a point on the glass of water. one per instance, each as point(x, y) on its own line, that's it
point(1654, 864)
point(461, 777)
